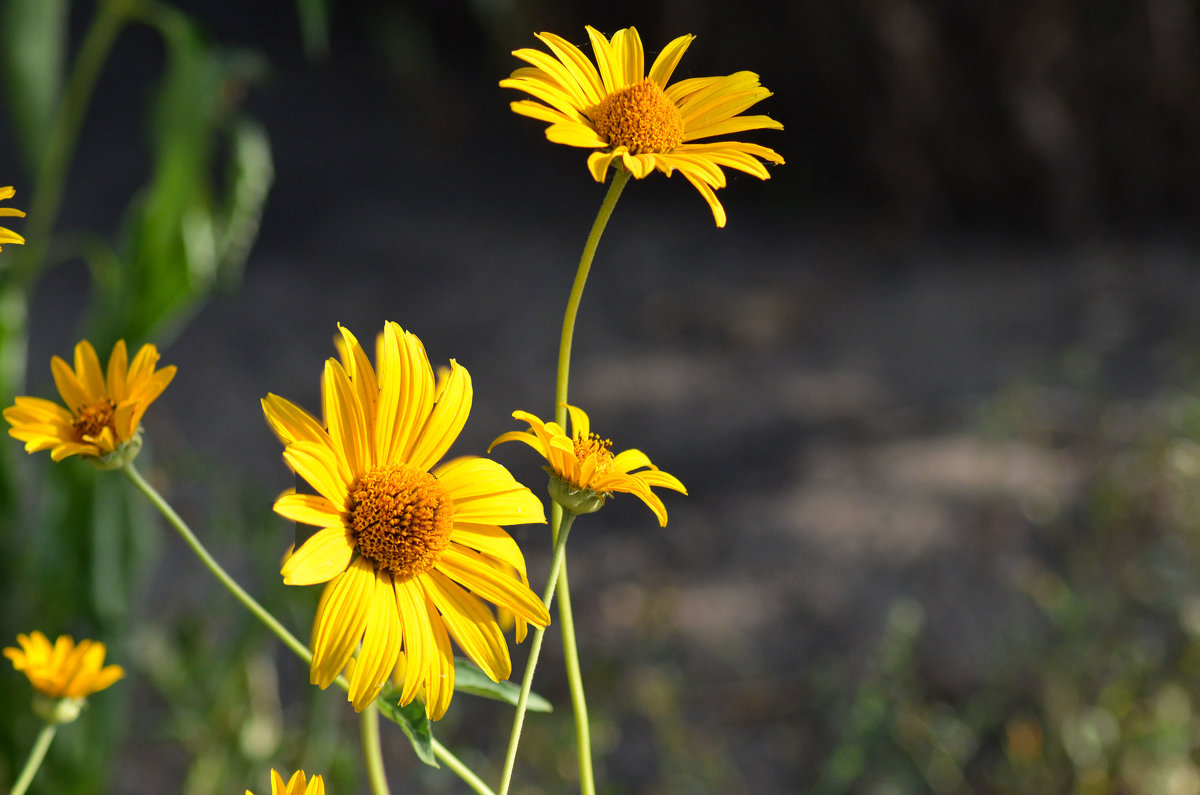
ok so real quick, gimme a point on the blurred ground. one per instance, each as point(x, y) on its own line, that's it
point(865, 415)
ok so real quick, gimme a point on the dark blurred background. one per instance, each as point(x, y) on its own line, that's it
point(932, 390)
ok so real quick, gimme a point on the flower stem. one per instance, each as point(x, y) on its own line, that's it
point(260, 612)
point(34, 762)
point(583, 734)
point(458, 768)
point(535, 650)
point(585, 266)
point(372, 752)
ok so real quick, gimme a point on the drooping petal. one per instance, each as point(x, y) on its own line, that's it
point(467, 568)
point(471, 624)
point(446, 421)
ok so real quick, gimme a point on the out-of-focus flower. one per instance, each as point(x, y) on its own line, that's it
point(639, 121)
point(411, 549)
point(103, 414)
point(296, 785)
point(65, 673)
point(7, 236)
point(583, 470)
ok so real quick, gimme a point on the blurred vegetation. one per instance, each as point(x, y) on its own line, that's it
point(1030, 116)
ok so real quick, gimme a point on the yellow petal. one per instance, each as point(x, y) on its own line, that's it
point(446, 421)
point(469, 569)
point(471, 624)
point(668, 59)
point(380, 645)
point(292, 423)
point(341, 618)
point(323, 556)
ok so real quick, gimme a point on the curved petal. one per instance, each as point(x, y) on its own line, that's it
point(484, 492)
point(627, 46)
point(470, 570)
point(72, 391)
point(583, 70)
point(326, 554)
point(292, 423)
point(318, 465)
point(309, 509)
point(362, 375)
point(418, 640)
point(446, 421)
point(347, 425)
point(471, 624)
point(606, 62)
point(629, 460)
point(491, 541)
point(406, 392)
point(664, 65)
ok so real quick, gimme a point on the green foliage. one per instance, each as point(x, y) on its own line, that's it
point(33, 35)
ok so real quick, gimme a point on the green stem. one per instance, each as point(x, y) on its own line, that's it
point(36, 755)
point(372, 752)
point(260, 612)
point(535, 650)
point(585, 265)
point(583, 734)
point(289, 640)
point(458, 768)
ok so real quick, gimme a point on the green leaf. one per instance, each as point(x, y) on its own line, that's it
point(413, 721)
point(468, 678)
point(33, 35)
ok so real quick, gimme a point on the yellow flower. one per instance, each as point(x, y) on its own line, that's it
point(103, 414)
point(584, 466)
point(639, 120)
point(295, 785)
point(63, 670)
point(7, 235)
point(411, 551)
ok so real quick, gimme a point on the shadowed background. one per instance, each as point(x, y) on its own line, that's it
point(931, 391)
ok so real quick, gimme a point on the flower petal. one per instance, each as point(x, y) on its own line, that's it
point(471, 624)
point(468, 568)
point(323, 556)
point(380, 645)
point(341, 618)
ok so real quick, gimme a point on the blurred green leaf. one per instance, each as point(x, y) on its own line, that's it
point(468, 678)
point(314, 27)
point(33, 35)
point(186, 234)
point(413, 721)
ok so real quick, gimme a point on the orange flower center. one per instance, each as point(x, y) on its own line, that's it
point(90, 421)
point(401, 518)
point(640, 118)
point(593, 445)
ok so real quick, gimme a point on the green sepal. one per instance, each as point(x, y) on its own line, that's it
point(575, 501)
point(469, 678)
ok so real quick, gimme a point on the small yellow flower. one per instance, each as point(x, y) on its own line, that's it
point(7, 235)
point(410, 549)
point(296, 785)
point(637, 120)
point(584, 467)
point(64, 670)
point(102, 415)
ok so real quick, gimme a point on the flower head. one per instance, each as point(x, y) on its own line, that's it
point(638, 120)
point(409, 548)
point(7, 235)
point(583, 470)
point(63, 670)
point(103, 413)
point(296, 785)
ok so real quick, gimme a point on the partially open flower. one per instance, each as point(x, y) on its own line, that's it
point(296, 785)
point(63, 674)
point(583, 470)
point(103, 414)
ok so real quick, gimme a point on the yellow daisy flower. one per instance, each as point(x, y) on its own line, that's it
point(296, 785)
point(7, 235)
point(583, 470)
point(103, 415)
point(411, 551)
point(639, 120)
point(64, 670)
